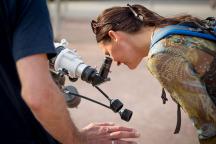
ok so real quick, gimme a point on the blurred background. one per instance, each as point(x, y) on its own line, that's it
point(137, 89)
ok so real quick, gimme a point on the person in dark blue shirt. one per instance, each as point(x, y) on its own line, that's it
point(31, 106)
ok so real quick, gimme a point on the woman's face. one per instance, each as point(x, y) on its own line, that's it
point(122, 50)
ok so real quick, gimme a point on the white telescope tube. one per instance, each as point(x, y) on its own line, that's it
point(69, 60)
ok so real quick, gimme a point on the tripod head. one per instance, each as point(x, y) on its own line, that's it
point(67, 63)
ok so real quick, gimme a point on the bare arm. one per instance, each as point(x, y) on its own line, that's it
point(45, 100)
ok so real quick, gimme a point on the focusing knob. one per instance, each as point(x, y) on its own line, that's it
point(126, 114)
point(116, 105)
point(72, 100)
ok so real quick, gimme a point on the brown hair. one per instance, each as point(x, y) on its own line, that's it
point(124, 19)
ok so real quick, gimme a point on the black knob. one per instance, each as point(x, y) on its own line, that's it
point(71, 99)
point(126, 114)
point(116, 105)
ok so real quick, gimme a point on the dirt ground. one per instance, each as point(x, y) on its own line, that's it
point(137, 89)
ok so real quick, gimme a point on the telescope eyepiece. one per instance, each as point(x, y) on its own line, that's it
point(105, 68)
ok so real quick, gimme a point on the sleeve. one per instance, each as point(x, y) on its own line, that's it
point(177, 76)
point(33, 32)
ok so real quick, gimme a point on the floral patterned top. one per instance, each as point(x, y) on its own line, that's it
point(178, 62)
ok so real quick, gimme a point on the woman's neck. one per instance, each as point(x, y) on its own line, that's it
point(142, 40)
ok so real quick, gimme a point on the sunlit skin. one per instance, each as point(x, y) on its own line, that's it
point(128, 48)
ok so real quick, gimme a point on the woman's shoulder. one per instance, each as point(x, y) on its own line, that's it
point(171, 45)
point(163, 41)
point(181, 44)
point(174, 51)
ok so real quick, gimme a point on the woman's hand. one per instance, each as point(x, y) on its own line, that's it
point(108, 133)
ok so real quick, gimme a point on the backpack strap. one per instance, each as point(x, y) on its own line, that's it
point(179, 30)
point(178, 123)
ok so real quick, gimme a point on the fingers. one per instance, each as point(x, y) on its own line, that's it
point(120, 128)
point(107, 130)
point(97, 126)
point(124, 134)
point(112, 142)
point(123, 142)
point(119, 142)
point(105, 124)
point(119, 132)
point(109, 133)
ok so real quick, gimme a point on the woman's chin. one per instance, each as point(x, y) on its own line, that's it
point(132, 67)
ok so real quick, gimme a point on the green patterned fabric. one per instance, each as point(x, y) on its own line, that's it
point(179, 63)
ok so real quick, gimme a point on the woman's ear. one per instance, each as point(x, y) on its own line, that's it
point(113, 35)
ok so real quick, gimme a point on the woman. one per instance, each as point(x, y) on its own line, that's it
point(179, 62)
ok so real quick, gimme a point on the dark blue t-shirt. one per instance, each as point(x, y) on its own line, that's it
point(25, 30)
